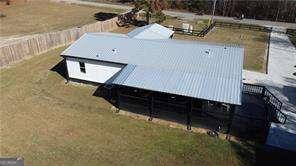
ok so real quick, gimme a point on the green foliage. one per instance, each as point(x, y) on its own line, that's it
point(151, 7)
point(159, 17)
point(145, 5)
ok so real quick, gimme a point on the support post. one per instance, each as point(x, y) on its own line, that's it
point(188, 110)
point(151, 107)
point(117, 100)
point(230, 120)
point(263, 92)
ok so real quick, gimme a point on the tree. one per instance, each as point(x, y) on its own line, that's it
point(150, 7)
point(159, 17)
point(145, 5)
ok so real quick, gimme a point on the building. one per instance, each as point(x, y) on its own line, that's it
point(196, 71)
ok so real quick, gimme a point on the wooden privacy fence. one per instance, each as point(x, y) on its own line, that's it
point(41, 43)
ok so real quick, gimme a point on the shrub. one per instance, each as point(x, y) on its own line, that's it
point(159, 17)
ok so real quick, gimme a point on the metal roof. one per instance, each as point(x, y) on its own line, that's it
point(195, 69)
point(152, 31)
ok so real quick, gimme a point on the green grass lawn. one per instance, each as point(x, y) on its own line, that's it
point(42, 16)
point(254, 43)
point(292, 39)
point(49, 122)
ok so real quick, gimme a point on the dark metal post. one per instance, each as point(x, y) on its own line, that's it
point(151, 106)
point(117, 100)
point(189, 109)
point(230, 120)
point(263, 92)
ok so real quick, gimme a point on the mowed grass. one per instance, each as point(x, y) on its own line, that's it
point(49, 122)
point(253, 42)
point(292, 39)
point(42, 16)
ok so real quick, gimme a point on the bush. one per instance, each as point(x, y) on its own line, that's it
point(159, 17)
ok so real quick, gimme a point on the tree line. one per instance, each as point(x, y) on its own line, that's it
point(274, 10)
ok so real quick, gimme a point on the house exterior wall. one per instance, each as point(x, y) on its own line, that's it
point(95, 71)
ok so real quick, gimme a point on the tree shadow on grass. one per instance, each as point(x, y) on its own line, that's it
point(102, 16)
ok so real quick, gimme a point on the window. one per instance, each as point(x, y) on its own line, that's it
point(82, 67)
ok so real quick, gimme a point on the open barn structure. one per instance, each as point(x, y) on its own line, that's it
point(188, 75)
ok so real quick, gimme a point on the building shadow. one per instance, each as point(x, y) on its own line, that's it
point(162, 110)
point(139, 23)
point(102, 16)
point(249, 121)
point(60, 68)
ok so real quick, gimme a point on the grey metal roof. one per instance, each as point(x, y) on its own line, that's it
point(152, 31)
point(195, 69)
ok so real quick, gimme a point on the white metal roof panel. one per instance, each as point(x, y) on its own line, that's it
point(191, 84)
point(152, 31)
point(195, 69)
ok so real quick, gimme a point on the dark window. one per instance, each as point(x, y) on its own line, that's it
point(82, 67)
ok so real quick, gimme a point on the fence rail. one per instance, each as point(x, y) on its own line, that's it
point(242, 26)
point(193, 32)
point(273, 103)
point(206, 30)
point(253, 89)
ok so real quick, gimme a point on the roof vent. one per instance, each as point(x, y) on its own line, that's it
point(208, 51)
point(99, 54)
point(114, 50)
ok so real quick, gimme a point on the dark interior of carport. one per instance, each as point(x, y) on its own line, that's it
point(122, 97)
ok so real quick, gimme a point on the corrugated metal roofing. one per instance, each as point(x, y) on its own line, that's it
point(152, 31)
point(195, 69)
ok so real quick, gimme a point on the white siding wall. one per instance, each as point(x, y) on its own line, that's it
point(98, 72)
